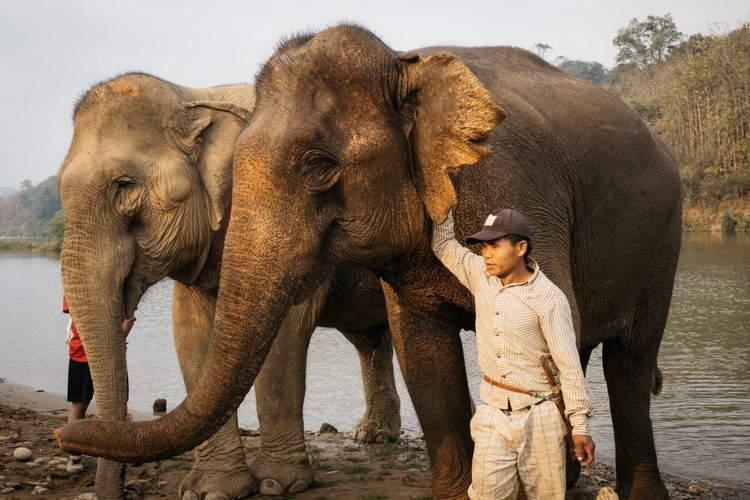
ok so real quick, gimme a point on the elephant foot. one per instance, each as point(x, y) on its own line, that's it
point(370, 430)
point(644, 492)
point(217, 485)
point(278, 478)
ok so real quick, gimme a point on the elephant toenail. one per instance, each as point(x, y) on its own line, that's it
point(190, 495)
point(217, 495)
point(271, 487)
point(298, 485)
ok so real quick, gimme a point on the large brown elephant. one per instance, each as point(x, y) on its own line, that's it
point(350, 151)
point(146, 190)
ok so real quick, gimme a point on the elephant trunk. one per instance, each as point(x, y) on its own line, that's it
point(93, 271)
point(248, 316)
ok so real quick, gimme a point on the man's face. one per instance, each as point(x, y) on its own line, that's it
point(501, 256)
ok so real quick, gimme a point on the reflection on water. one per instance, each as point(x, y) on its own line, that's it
point(700, 419)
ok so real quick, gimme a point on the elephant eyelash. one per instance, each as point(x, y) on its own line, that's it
point(319, 170)
point(316, 159)
point(124, 182)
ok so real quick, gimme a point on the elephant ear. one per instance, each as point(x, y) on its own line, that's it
point(213, 131)
point(449, 116)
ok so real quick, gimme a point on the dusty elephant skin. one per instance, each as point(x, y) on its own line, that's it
point(146, 188)
point(347, 156)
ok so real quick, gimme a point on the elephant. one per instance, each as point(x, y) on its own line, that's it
point(364, 147)
point(145, 189)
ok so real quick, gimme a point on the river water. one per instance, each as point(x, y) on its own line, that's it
point(701, 419)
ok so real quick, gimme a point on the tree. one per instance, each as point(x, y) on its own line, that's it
point(541, 49)
point(589, 70)
point(647, 42)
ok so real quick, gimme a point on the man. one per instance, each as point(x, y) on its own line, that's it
point(520, 317)
point(80, 385)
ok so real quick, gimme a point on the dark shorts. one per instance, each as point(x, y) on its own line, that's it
point(80, 386)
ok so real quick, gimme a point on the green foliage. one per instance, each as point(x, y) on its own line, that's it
point(55, 227)
point(588, 70)
point(698, 100)
point(643, 43)
point(728, 223)
point(30, 211)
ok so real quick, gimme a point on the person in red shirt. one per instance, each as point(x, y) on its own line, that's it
point(80, 385)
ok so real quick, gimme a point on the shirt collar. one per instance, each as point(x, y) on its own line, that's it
point(533, 265)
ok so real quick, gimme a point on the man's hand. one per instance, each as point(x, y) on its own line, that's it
point(127, 325)
point(584, 449)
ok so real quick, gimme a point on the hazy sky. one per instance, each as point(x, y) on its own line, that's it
point(52, 51)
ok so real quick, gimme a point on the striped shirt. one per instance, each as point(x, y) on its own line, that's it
point(516, 324)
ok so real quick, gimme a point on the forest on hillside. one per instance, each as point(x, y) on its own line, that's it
point(694, 91)
point(32, 211)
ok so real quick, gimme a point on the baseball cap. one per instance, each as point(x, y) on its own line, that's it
point(502, 222)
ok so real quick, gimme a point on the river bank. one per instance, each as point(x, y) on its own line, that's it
point(697, 217)
point(343, 469)
point(30, 245)
point(724, 216)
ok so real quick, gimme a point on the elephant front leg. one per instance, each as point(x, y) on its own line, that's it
point(431, 359)
point(382, 419)
point(282, 466)
point(219, 470)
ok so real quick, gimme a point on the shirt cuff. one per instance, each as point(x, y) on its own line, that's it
point(580, 424)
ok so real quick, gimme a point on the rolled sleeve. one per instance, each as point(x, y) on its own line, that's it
point(557, 327)
point(464, 264)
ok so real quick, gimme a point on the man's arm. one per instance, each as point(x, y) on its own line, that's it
point(465, 265)
point(557, 327)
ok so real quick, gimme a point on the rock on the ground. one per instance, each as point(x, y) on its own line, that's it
point(85, 496)
point(160, 406)
point(327, 428)
point(6, 490)
point(22, 454)
point(39, 490)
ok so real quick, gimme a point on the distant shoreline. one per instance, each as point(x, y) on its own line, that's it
point(30, 245)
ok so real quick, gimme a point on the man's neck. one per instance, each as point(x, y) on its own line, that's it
point(519, 274)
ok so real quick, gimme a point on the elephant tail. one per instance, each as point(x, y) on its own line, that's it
point(656, 382)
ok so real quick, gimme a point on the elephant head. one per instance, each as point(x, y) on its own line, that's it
point(145, 185)
point(346, 156)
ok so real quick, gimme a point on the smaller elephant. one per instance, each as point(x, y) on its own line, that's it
point(146, 192)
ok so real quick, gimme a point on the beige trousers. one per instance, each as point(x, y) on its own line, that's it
point(523, 444)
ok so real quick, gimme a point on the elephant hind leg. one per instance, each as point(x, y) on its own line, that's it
point(632, 376)
point(629, 376)
point(382, 419)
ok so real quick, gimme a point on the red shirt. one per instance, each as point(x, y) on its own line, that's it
point(75, 346)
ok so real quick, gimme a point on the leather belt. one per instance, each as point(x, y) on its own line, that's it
point(507, 387)
point(543, 397)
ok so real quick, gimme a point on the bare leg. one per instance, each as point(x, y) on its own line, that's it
point(78, 410)
point(219, 469)
point(382, 419)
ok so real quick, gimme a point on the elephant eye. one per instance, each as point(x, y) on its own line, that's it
point(319, 170)
point(126, 200)
point(123, 182)
point(317, 159)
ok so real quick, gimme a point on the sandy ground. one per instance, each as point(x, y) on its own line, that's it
point(343, 469)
